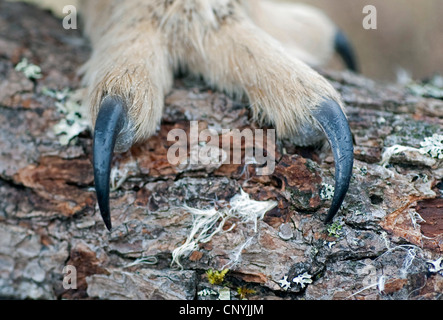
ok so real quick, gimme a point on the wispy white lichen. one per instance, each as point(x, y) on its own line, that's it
point(150, 260)
point(209, 222)
point(31, 71)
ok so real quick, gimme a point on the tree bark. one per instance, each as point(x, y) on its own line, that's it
point(380, 246)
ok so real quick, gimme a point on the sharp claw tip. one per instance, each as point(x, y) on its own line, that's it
point(109, 226)
point(110, 121)
point(340, 139)
point(106, 218)
point(329, 218)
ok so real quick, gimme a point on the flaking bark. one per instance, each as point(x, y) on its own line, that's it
point(49, 218)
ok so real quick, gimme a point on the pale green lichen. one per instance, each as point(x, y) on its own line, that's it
point(432, 89)
point(74, 121)
point(330, 244)
point(207, 292)
point(335, 230)
point(364, 170)
point(303, 279)
point(436, 266)
point(433, 146)
point(327, 191)
point(59, 95)
point(284, 283)
point(224, 294)
point(31, 71)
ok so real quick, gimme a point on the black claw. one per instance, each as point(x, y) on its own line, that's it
point(335, 125)
point(110, 121)
point(345, 50)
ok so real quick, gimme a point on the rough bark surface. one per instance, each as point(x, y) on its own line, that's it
point(380, 246)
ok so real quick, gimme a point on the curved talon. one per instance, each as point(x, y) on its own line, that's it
point(335, 125)
point(345, 50)
point(110, 121)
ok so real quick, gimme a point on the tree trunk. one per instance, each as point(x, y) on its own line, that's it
point(54, 245)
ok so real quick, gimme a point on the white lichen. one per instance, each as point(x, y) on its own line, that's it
point(284, 283)
point(207, 292)
point(329, 244)
point(303, 279)
point(436, 266)
point(31, 71)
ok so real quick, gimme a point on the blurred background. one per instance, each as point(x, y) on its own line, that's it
point(409, 36)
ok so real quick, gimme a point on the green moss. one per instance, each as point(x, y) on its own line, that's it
point(216, 277)
point(245, 292)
